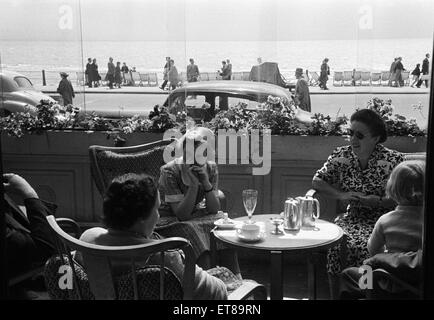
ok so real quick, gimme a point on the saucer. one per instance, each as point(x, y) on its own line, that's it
point(222, 224)
point(259, 237)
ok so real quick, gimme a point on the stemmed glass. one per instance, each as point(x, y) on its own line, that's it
point(250, 197)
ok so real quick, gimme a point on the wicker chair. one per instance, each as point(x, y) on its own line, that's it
point(110, 162)
point(96, 279)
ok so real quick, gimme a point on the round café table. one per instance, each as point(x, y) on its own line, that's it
point(307, 242)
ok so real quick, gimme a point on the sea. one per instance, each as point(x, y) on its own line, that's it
point(30, 57)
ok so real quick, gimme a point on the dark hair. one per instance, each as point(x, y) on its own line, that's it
point(129, 197)
point(373, 121)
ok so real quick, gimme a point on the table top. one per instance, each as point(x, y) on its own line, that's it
point(325, 235)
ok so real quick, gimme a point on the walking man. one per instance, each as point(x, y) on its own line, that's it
point(302, 95)
point(425, 70)
point(111, 72)
point(192, 71)
point(65, 89)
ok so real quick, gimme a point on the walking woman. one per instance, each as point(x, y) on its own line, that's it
point(325, 72)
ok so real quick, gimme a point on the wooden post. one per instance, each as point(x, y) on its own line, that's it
point(44, 81)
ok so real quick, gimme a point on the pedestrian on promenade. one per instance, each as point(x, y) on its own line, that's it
point(110, 72)
point(192, 71)
point(392, 72)
point(259, 60)
point(118, 76)
point(88, 73)
point(95, 74)
point(416, 74)
point(325, 72)
point(173, 75)
point(229, 66)
point(425, 70)
point(166, 73)
point(302, 95)
point(124, 70)
point(224, 73)
point(399, 67)
point(65, 89)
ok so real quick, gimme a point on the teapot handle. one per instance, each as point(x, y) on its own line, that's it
point(316, 214)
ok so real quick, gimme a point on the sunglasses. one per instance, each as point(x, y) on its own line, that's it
point(358, 134)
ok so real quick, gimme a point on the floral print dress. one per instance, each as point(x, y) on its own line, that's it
point(343, 171)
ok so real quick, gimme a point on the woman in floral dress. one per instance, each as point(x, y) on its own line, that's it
point(357, 175)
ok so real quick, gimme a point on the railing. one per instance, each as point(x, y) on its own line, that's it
point(143, 78)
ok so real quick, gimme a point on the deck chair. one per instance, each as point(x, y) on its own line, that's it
point(314, 78)
point(109, 162)
point(357, 77)
point(365, 78)
point(135, 77)
point(348, 78)
point(128, 78)
point(406, 77)
point(237, 76)
point(338, 78)
point(376, 78)
point(246, 76)
point(204, 76)
point(153, 79)
point(385, 76)
point(96, 279)
point(81, 79)
point(103, 80)
point(144, 79)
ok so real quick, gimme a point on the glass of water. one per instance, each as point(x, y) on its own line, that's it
point(250, 198)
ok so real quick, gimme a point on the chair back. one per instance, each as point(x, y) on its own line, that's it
point(135, 78)
point(109, 162)
point(98, 260)
point(366, 76)
point(357, 75)
point(338, 76)
point(153, 79)
point(81, 79)
point(144, 78)
point(405, 76)
point(204, 76)
point(385, 75)
point(376, 77)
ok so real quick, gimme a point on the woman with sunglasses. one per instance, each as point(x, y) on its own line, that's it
point(357, 175)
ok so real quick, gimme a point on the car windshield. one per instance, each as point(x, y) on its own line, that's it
point(23, 83)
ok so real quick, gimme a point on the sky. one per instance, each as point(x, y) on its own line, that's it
point(222, 20)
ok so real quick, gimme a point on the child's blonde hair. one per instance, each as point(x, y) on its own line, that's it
point(406, 183)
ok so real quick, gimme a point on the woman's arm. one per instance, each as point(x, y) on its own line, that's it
point(324, 187)
point(184, 208)
point(376, 241)
point(212, 202)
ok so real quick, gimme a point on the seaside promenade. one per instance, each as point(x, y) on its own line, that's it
point(129, 101)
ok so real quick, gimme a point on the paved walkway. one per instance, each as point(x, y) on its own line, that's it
point(313, 90)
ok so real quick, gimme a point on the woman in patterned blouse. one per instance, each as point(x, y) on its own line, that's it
point(357, 175)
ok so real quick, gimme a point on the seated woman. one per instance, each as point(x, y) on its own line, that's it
point(190, 198)
point(357, 174)
point(130, 214)
point(398, 231)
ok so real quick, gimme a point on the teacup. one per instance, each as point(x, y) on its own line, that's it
point(249, 231)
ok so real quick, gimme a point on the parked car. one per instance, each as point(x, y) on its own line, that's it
point(17, 94)
point(203, 99)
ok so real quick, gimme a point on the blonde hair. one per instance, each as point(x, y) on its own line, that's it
point(406, 183)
